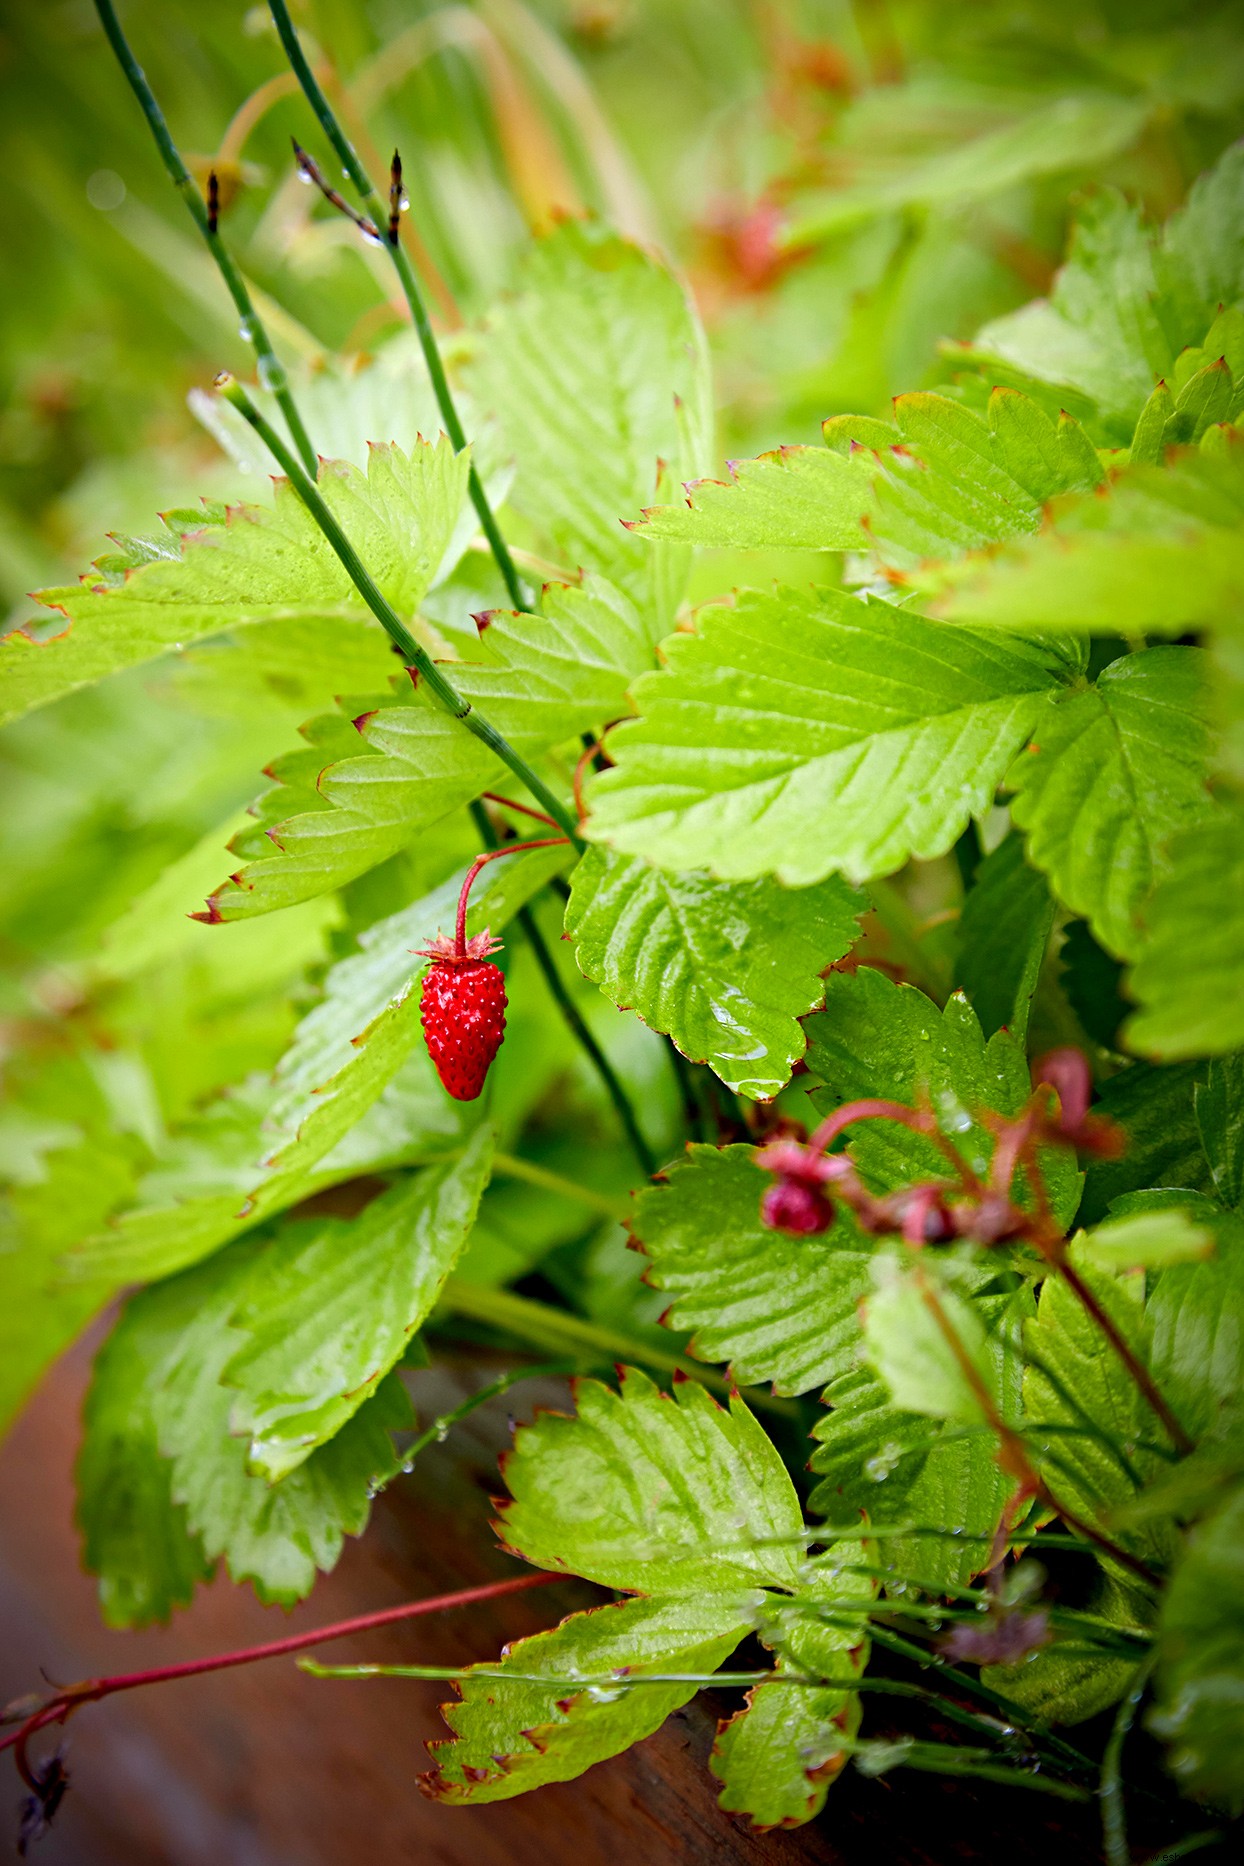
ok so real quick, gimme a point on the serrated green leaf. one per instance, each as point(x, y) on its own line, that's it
point(1076, 1380)
point(1004, 929)
point(1113, 774)
point(596, 369)
point(1127, 302)
point(776, 1307)
point(509, 1737)
point(942, 480)
point(876, 1038)
point(795, 498)
point(253, 565)
point(952, 481)
point(262, 1148)
point(1154, 1107)
point(1055, 1686)
point(359, 796)
point(1197, 1353)
point(641, 1490)
point(331, 1307)
point(725, 969)
point(804, 732)
point(1200, 1706)
point(1218, 1104)
point(905, 1468)
point(1161, 554)
point(1188, 978)
point(777, 1757)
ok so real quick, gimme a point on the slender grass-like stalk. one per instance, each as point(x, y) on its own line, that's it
point(203, 213)
point(564, 1002)
point(1113, 1810)
point(439, 684)
point(387, 216)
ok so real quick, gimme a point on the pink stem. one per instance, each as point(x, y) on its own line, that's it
point(524, 809)
point(511, 848)
point(919, 1121)
point(92, 1689)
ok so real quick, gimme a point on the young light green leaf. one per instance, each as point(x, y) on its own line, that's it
point(509, 1737)
point(251, 565)
point(596, 369)
point(361, 795)
point(1200, 1709)
point(1147, 1240)
point(643, 1491)
point(919, 1337)
point(1004, 930)
point(940, 481)
point(330, 1307)
point(725, 969)
point(805, 731)
point(776, 1307)
point(1114, 772)
point(1189, 974)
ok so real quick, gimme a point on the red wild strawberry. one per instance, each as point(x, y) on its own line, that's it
point(462, 1009)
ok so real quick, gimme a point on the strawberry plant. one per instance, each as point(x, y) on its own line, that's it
point(878, 965)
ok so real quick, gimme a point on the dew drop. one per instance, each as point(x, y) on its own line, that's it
point(304, 177)
point(271, 375)
point(882, 1462)
point(246, 331)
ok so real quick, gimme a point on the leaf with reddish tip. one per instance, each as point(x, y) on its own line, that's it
point(509, 1737)
point(251, 566)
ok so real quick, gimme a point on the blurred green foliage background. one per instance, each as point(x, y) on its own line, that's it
point(847, 184)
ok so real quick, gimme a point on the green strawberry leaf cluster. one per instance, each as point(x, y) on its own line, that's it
point(972, 794)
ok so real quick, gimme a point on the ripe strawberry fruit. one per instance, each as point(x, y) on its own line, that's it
point(462, 1009)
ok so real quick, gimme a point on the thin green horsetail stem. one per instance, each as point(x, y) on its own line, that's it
point(271, 369)
point(382, 218)
point(576, 1024)
point(416, 656)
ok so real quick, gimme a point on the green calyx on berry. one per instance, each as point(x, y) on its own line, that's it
point(462, 1009)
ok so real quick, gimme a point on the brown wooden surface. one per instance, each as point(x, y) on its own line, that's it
point(265, 1767)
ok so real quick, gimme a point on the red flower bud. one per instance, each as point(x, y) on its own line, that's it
point(795, 1206)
